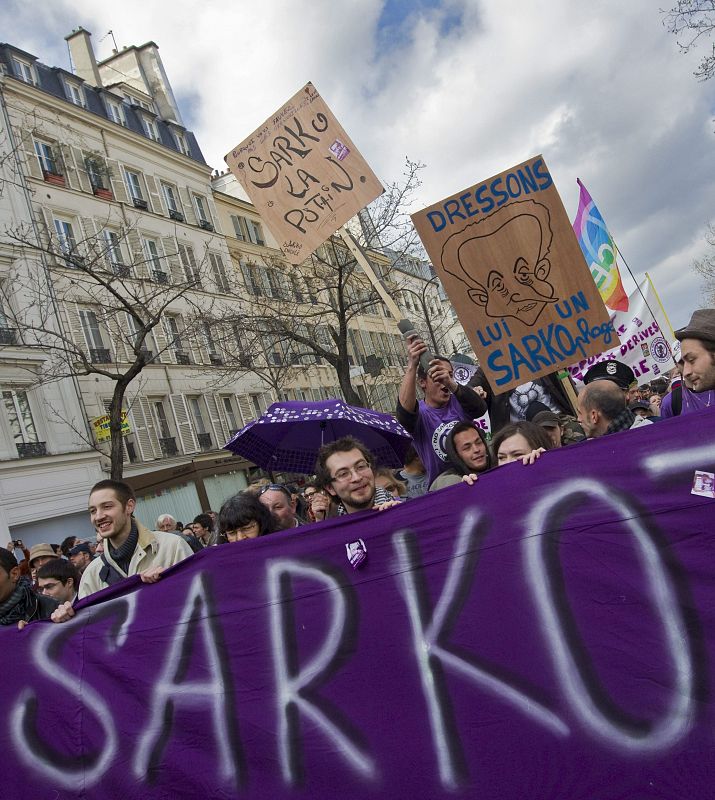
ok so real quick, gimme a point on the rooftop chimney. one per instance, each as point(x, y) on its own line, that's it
point(85, 64)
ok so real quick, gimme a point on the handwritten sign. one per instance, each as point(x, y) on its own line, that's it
point(100, 426)
point(303, 173)
point(512, 267)
point(643, 339)
point(557, 647)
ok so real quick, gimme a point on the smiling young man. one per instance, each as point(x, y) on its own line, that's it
point(445, 404)
point(345, 468)
point(468, 454)
point(129, 547)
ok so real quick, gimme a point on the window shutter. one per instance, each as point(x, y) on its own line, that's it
point(172, 258)
point(188, 206)
point(33, 165)
point(157, 203)
point(119, 190)
point(143, 428)
point(246, 408)
point(168, 351)
point(137, 256)
point(183, 423)
point(69, 166)
point(82, 175)
point(220, 430)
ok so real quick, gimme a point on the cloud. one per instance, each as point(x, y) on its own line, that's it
point(468, 88)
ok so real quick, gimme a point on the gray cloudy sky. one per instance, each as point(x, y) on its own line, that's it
point(468, 88)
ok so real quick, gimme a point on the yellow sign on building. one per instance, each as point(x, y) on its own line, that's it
point(100, 426)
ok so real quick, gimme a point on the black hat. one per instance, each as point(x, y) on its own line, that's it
point(639, 404)
point(618, 372)
point(82, 547)
point(546, 419)
point(534, 408)
point(701, 326)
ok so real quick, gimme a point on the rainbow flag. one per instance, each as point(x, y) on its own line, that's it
point(600, 251)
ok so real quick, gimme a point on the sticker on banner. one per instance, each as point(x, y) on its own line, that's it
point(357, 553)
point(339, 150)
point(703, 484)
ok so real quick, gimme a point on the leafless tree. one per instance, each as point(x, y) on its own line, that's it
point(690, 21)
point(312, 309)
point(90, 310)
point(705, 267)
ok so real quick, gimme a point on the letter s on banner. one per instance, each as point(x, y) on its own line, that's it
point(70, 773)
point(665, 732)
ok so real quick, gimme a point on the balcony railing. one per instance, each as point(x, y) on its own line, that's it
point(168, 446)
point(204, 441)
point(8, 336)
point(206, 225)
point(181, 357)
point(100, 355)
point(31, 449)
point(177, 216)
point(140, 202)
point(161, 277)
point(216, 360)
point(121, 270)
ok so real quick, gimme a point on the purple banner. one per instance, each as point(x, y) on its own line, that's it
point(546, 633)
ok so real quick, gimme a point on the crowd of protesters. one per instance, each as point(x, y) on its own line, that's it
point(448, 447)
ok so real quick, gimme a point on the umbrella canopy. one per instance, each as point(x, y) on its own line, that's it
point(288, 436)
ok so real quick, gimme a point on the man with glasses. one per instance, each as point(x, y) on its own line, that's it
point(279, 501)
point(345, 468)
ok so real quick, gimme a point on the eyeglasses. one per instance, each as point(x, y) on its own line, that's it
point(274, 487)
point(344, 474)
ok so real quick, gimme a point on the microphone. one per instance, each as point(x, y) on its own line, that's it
point(407, 329)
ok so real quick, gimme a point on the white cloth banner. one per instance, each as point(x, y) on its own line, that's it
point(645, 340)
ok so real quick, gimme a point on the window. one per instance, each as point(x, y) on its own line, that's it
point(115, 111)
point(113, 250)
point(240, 227)
point(247, 230)
point(65, 236)
point(174, 335)
point(154, 262)
point(151, 129)
point(98, 351)
point(255, 232)
point(197, 414)
point(202, 213)
point(96, 171)
point(24, 71)
point(46, 156)
point(75, 93)
point(230, 412)
point(134, 185)
point(219, 272)
point(181, 143)
point(171, 198)
point(22, 425)
point(135, 101)
point(160, 419)
point(214, 354)
point(251, 278)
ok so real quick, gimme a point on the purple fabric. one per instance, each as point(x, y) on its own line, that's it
point(431, 431)
point(546, 633)
point(288, 436)
point(692, 402)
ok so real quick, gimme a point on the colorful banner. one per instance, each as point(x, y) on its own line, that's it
point(507, 257)
point(644, 336)
point(546, 633)
point(100, 426)
point(599, 251)
point(303, 174)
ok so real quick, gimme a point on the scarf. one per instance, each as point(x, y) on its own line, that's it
point(21, 605)
point(122, 555)
point(622, 422)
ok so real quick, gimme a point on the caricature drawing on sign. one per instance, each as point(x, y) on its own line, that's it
point(502, 259)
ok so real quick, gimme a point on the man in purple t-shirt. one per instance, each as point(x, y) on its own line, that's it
point(445, 404)
point(682, 399)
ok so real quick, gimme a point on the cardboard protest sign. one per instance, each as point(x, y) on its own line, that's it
point(303, 173)
point(512, 267)
point(100, 426)
point(644, 339)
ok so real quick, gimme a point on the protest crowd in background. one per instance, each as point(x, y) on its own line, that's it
point(448, 447)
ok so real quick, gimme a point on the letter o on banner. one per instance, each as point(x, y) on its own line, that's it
point(675, 723)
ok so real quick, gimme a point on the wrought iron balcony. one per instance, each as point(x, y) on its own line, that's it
point(182, 358)
point(121, 270)
point(8, 336)
point(168, 446)
point(160, 277)
point(139, 202)
point(204, 441)
point(206, 225)
point(177, 216)
point(31, 449)
point(216, 360)
point(100, 355)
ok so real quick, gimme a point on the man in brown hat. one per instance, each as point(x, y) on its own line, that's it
point(697, 350)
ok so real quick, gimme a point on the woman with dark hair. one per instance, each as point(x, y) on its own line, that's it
point(243, 516)
point(520, 440)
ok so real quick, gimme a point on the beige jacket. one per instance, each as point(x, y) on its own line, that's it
point(154, 549)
